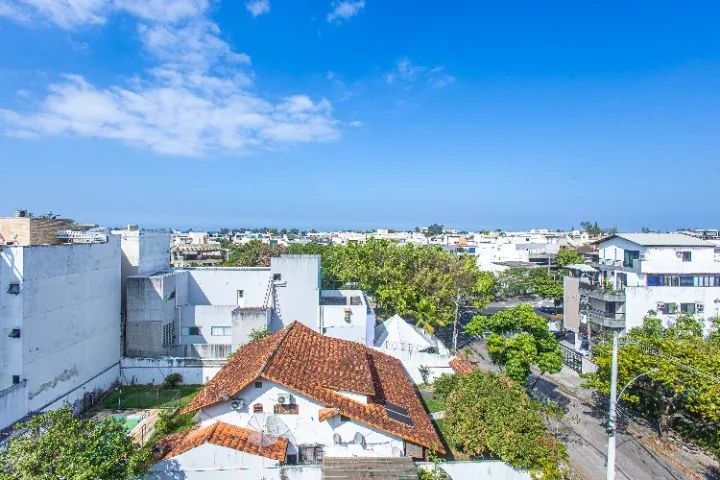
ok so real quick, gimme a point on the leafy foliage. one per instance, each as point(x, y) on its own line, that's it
point(253, 254)
point(567, 257)
point(679, 375)
point(258, 333)
point(421, 282)
point(172, 380)
point(434, 229)
point(524, 282)
point(517, 337)
point(56, 445)
point(489, 413)
point(444, 385)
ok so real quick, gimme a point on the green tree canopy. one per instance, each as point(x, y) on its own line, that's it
point(488, 413)
point(679, 374)
point(523, 282)
point(420, 282)
point(567, 257)
point(253, 254)
point(517, 338)
point(56, 445)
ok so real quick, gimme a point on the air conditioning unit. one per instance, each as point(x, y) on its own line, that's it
point(238, 404)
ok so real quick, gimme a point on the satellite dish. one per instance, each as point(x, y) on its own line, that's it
point(266, 429)
point(359, 439)
point(337, 439)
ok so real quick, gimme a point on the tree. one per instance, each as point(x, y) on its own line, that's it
point(489, 413)
point(544, 285)
point(172, 380)
point(56, 445)
point(524, 282)
point(567, 257)
point(444, 385)
point(258, 333)
point(434, 229)
point(253, 254)
point(677, 383)
point(517, 338)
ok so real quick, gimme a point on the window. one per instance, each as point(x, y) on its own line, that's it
point(191, 331)
point(311, 454)
point(15, 379)
point(687, 308)
point(171, 295)
point(291, 459)
point(671, 308)
point(348, 314)
point(687, 281)
point(258, 384)
point(398, 413)
point(169, 334)
point(220, 331)
point(685, 256)
point(277, 277)
point(699, 308)
point(343, 418)
point(630, 256)
point(258, 408)
point(240, 295)
point(14, 288)
point(14, 333)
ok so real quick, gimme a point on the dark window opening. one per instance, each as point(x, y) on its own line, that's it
point(343, 418)
point(258, 384)
point(687, 308)
point(277, 277)
point(399, 414)
point(14, 288)
point(291, 459)
point(14, 333)
point(310, 455)
point(686, 256)
point(15, 379)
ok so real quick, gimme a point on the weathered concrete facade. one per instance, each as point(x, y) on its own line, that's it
point(60, 321)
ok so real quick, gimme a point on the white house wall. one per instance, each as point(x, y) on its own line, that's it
point(304, 428)
point(640, 300)
point(220, 462)
point(219, 286)
point(299, 298)
point(152, 371)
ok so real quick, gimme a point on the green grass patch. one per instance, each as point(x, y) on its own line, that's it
point(150, 396)
point(434, 404)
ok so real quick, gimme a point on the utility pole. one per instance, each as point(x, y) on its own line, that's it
point(613, 404)
point(455, 325)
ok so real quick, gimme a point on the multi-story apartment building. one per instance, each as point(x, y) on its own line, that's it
point(668, 273)
point(59, 324)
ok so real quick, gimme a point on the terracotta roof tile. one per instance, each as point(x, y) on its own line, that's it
point(318, 366)
point(224, 435)
point(462, 366)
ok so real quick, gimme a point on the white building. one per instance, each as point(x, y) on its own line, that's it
point(669, 273)
point(59, 325)
point(316, 397)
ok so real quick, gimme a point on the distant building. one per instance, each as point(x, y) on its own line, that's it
point(24, 229)
point(198, 255)
point(669, 273)
point(59, 322)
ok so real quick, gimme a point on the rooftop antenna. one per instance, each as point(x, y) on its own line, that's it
point(266, 429)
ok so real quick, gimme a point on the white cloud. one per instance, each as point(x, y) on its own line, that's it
point(199, 98)
point(408, 73)
point(257, 7)
point(173, 119)
point(344, 9)
point(64, 13)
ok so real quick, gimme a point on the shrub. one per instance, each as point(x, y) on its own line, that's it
point(172, 380)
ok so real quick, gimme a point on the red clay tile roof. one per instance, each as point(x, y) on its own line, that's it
point(317, 366)
point(327, 413)
point(462, 366)
point(224, 435)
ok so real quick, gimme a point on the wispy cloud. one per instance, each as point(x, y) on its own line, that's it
point(257, 7)
point(408, 74)
point(344, 9)
point(199, 98)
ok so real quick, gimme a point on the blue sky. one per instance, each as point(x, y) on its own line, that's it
point(362, 114)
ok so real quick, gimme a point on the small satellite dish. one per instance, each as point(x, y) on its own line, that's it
point(359, 439)
point(337, 439)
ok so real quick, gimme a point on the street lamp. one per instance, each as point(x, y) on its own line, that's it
point(614, 396)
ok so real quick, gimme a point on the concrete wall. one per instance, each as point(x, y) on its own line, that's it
point(11, 315)
point(150, 307)
point(71, 309)
point(298, 290)
point(640, 300)
point(245, 320)
point(490, 469)
point(13, 404)
point(205, 317)
point(207, 458)
point(219, 286)
point(152, 371)
point(571, 303)
point(304, 428)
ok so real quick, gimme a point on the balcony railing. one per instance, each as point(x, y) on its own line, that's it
point(600, 293)
point(605, 319)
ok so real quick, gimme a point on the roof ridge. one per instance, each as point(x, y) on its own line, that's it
point(287, 329)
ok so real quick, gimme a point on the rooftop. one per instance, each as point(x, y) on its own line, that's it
point(660, 240)
point(318, 367)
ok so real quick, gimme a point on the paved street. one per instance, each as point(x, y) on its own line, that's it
point(583, 430)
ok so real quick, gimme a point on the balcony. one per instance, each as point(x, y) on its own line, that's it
point(599, 293)
point(605, 319)
point(611, 264)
